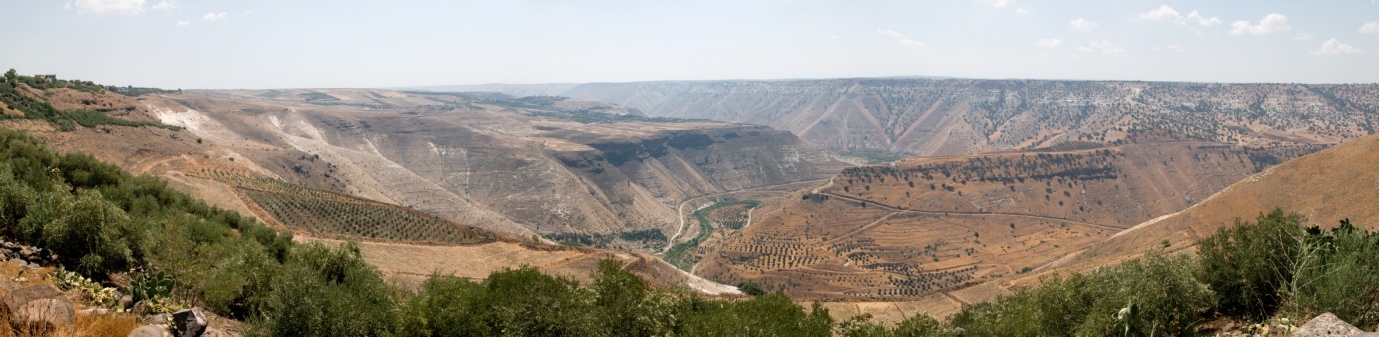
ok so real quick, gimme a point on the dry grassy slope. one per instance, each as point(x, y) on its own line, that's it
point(1326, 186)
point(501, 164)
point(958, 116)
point(899, 246)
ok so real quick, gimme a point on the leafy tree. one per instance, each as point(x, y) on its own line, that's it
point(619, 297)
point(750, 288)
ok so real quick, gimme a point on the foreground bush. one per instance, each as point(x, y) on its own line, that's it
point(525, 302)
point(1248, 264)
point(1159, 293)
point(1337, 273)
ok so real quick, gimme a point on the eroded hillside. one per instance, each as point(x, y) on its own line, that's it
point(561, 168)
point(930, 226)
point(957, 116)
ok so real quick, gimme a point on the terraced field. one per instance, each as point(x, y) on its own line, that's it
point(333, 215)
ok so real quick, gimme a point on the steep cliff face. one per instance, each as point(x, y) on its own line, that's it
point(953, 116)
point(520, 166)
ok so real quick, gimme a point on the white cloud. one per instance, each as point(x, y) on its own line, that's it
point(888, 32)
point(1203, 21)
point(1332, 47)
point(165, 5)
point(213, 16)
point(911, 43)
point(183, 23)
point(998, 3)
point(1022, 11)
point(1302, 37)
point(1175, 47)
point(1084, 49)
point(1371, 27)
point(1168, 14)
point(1270, 24)
point(1105, 47)
point(834, 37)
point(107, 6)
point(1081, 24)
point(1050, 43)
point(1163, 13)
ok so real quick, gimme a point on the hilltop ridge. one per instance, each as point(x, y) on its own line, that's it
point(929, 117)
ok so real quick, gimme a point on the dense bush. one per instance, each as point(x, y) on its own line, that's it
point(324, 291)
point(1337, 273)
point(1164, 295)
point(1248, 264)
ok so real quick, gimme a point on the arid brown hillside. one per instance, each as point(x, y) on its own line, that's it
point(1327, 186)
point(933, 225)
point(959, 116)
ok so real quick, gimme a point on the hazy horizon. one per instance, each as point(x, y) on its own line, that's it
point(259, 44)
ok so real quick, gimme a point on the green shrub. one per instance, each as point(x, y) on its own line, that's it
point(1248, 264)
point(88, 233)
point(862, 326)
point(921, 325)
point(527, 302)
point(750, 288)
point(445, 306)
point(1167, 299)
point(769, 315)
point(324, 291)
point(620, 298)
point(1337, 273)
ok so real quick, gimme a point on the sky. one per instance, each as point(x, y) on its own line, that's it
point(222, 44)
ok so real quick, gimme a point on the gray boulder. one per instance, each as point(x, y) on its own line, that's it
point(45, 314)
point(189, 322)
point(1326, 325)
point(149, 331)
point(156, 319)
point(19, 297)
